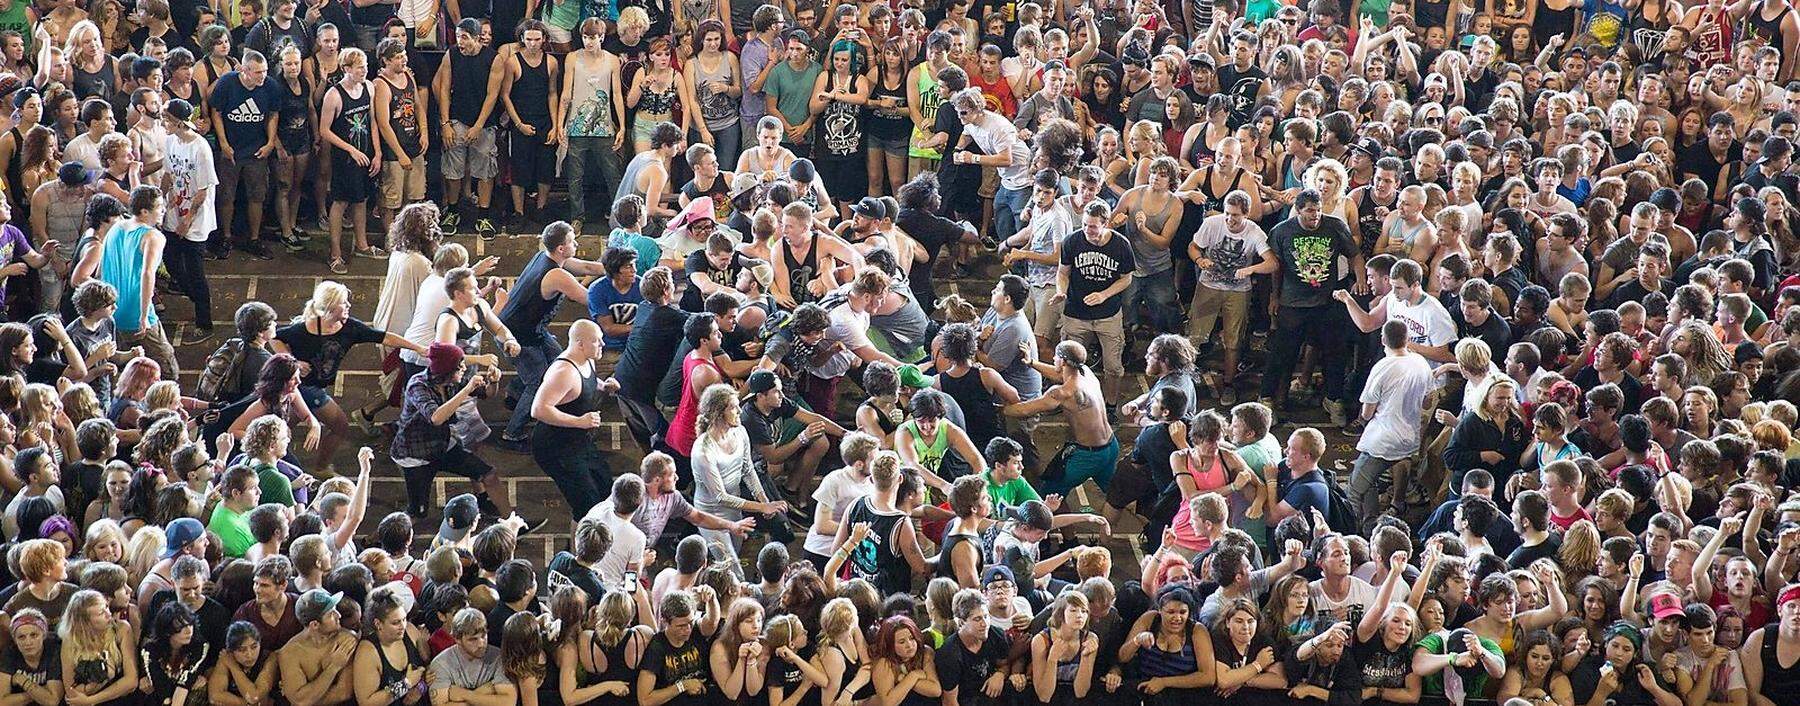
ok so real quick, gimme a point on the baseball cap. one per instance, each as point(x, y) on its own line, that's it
point(910, 376)
point(74, 174)
point(997, 573)
point(180, 533)
point(743, 182)
point(1369, 147)
point(459, 518)
point(1775, 148)
point(180, 109)
point(760, 381)
point(869, 207)
point(1665, 605)
point(314, 604)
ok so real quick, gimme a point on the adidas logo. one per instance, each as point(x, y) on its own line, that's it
point(246, 112)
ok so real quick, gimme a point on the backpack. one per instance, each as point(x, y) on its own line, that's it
point(223, 370)
point(1337, 512)
point(1337, 502)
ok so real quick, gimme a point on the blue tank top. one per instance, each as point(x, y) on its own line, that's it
point(122, 266)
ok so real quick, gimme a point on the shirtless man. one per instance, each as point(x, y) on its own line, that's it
point(1077, 394)
point(1557, 254)
point(315, 664)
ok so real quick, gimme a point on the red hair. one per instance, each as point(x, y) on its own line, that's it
point(888, 632)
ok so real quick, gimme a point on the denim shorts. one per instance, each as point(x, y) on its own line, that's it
point(894, 146)
point(315, 397)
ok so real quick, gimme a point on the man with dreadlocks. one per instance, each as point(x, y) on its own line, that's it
point(1091, 451)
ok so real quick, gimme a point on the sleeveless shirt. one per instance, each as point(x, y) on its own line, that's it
point(590, 113)
point(531, 90)
point(470, 72)
point(528, 309)
point(122, 266)
point(552, 439)
point(403, 112)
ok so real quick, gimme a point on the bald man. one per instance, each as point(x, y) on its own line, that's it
point(567, 408)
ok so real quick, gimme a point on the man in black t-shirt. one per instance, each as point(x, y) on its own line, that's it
point(674, 668)
point(1475, 317)
point(713, 268)
point(781, 430)
point(968, 665)
point(1097, 265)
point(1714, 160)
point(243, 105)
point(1309, 244)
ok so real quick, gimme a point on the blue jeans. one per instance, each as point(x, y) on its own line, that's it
point(1155, 292)
point(532, 361)
point(726, 143)
point(1008, 204)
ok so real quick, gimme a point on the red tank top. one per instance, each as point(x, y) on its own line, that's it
point(682, 435)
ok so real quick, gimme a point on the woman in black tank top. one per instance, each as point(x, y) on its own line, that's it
point(243, 666)
point(979, 390)
point(12, 150)
point(388, 658)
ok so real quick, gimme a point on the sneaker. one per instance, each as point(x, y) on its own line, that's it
point(532, 525)
point(1228, 395)
point(338, 267)
point(361, 420)
point(488, 508)
point(257, 250)
point(1335, 410)
point(216, 254)
point(418, 512)
point(373, 252)
point(518, 446)
point(197, 336)
point(485, 228)
point(450, 219)
point(292, 242)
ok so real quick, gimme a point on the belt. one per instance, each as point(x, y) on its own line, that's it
point(1102, 447)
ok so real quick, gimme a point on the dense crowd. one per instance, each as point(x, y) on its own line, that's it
point(872, 274)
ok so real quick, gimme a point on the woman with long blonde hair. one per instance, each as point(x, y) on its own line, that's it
point(1579, 553)
point(325, 331)
point(95, 72)
point(597, 667)
point(793, 673)
point(842, 654)
point(98, 662)
point(41, 421)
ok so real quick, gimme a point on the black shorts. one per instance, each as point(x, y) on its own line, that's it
point(846, 178)
point(350, 182)
point(533, 162)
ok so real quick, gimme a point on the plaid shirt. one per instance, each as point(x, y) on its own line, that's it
point(418, 438)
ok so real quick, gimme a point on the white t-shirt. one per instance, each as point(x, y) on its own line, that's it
point(1428, 323)
point(84, 149)
point(839, 489)
point(423, 328)
point(1229, 252)
point(1361, 594)
point(994, 134)
point(10, 522)
point(189, 165)
point(627, 546)
point(849, 328)
point(1397, 387)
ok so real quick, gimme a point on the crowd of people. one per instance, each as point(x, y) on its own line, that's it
point(872, 277)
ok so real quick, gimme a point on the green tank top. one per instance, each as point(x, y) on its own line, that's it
point(564, 15)
point(930, 456)
point(931, 95)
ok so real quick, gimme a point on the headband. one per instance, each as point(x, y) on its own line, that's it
point(24, 619)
